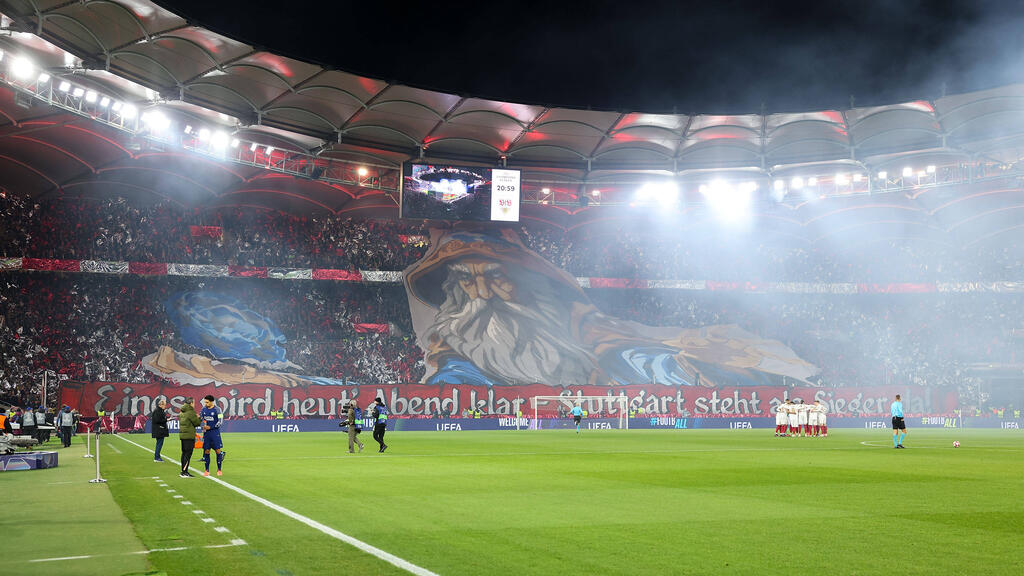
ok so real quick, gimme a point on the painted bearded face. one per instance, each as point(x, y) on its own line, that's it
point(483, 320)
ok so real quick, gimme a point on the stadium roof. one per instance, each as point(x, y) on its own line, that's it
point(329, 123)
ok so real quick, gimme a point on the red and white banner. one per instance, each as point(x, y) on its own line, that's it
point(254, 400)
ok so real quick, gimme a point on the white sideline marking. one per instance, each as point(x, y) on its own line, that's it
point(198, 512)
point(208, 520)
point(337, 534)
point(221, 529)
point(114, 448)
point(177, 496)
point(52, 483)
point(186, 503)
point(171, 491)
point(236, 542)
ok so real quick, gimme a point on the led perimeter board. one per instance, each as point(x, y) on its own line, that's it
point(444, 192)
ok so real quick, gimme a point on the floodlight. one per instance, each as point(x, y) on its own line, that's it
point(270, 150)
point(779, 185)
point(22, 67)
point(797, 183)
point(730, 203)
point(908, 172)
point(104, 102)
point(204, 134)
point(78, 92)
point(545, 191)
point(128, 111)
point(1, 55)
point(842, 180)
point(930, 169)
point(219, 139)
point(812, 181)
point(43, 78)
point(362, 171)
point(252, 147)
point(156, 120)
point(665, 192)
point(858, 177)
point(234, 142)
point(596, 192)
point(90, 96)
point(64, 86)
point(882, 175)
point(188, 128)
point(921, 174)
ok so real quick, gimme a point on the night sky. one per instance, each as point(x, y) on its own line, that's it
point(711, 57)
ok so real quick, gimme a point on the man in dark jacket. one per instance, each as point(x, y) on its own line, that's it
point(158, 426)
point(187, 422)
point(380, 423)
point(65, 423)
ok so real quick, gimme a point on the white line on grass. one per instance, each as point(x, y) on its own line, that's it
point(337, 534)
point(236, 542)
point(112, 447)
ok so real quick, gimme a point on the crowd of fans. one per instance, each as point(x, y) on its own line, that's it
point(99, 327)
point(114, 229)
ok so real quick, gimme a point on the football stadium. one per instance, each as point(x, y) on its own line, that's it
point(262, 315)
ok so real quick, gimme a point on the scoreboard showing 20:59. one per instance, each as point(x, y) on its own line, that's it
point(505, 195)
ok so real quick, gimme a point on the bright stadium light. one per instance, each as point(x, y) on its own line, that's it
point(545, 191)
point(882, 175)
point(779, 185)
point(104, 102)
point(116, 106)
point(234, 142)
point(64, 86)
point(858, 177)
point(812, 181)
point(730, 203)
point(797, 183)
point(270, 150)
point(665, 193)
point(129, 111)
point(43, 78)
point(1, 55)
point(156, 120)
point(362, 171)
point(78, 92)
point(252, 147)
point(204, 134)
point(219, 140)
point(188, 128)
point(91, 96)
point(22, 68)
point(908, 172)
point(930, 169)
point(842, 180)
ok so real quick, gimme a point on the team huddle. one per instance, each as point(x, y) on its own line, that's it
point(799, 419)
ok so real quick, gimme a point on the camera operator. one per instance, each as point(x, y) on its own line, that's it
point(351, 422)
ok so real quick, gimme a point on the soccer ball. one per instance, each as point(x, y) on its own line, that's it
point(956, 443)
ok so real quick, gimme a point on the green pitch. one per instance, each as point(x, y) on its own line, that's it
point(553, 502)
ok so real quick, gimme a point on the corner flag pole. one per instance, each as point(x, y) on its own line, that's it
point(88, 441)
point(98, 479)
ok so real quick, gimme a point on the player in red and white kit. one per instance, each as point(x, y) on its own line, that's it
point(781, 418)
point(812, 419)
point(802, 410)
point(822, 417)
point(794, 420)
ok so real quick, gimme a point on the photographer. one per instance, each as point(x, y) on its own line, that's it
point(351, 422)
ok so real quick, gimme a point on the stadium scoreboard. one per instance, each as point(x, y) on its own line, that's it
point(447, 192)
